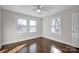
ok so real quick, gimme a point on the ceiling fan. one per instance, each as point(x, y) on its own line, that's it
point(41, 8)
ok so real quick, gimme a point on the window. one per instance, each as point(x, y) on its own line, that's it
point(22, 24)
point(26, 25)
point(32, 26)
point(56, 27)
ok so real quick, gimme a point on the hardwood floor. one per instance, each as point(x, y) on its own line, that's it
point(38, 45)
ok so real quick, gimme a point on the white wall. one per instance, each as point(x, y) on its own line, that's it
point(0, 28)
point(10, 34)
point(66, 33)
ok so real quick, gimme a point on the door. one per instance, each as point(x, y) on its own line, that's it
point(75, 29)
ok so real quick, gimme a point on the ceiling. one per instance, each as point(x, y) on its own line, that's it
point(29, 9)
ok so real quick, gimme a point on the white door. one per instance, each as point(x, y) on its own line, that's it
point(75, 29)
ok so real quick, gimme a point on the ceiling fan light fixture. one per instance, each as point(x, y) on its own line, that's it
point(38, 10)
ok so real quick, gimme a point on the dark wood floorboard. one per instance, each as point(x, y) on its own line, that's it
point(44, 45)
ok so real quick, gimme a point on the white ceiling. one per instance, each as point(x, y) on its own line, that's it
point(29, 9)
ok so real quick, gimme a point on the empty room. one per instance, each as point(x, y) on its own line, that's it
point(39, 28)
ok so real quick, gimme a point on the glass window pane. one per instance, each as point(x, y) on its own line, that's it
point(56, 25)
point(22, 29)
point(53, 30)
point(32, 29)
point(32, 23)
point(19, 21)
point(22, 25)
point(53, 22)
point(24, 22)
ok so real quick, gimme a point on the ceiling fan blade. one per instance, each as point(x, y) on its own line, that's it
point(41, 6)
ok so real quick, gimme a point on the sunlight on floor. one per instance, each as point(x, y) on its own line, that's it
point(55, 50)
point(33, 48)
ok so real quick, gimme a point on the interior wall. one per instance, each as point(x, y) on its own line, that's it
point(10, 34)
point(66, 28)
